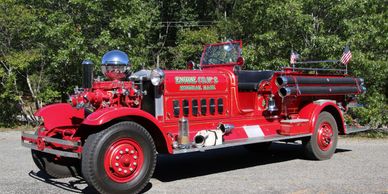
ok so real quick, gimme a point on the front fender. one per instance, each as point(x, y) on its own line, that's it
point(60, 115)
point(108, 114)
point(312, 111)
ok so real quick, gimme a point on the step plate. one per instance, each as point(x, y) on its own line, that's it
point(241, 142)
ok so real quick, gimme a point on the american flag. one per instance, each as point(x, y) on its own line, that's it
point(346, 56)
point(294, 57)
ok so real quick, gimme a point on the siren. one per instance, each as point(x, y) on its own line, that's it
point(272, 105)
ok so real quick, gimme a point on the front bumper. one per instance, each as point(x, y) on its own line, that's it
point(39, 143)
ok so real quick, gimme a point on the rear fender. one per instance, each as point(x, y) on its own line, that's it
point(60, 115)
point(312, 111)
point(107, 115)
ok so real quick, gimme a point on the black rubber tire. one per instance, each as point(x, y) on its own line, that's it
point(94, 151)
point(56, 167)
point(258, 147)
point(311, 147)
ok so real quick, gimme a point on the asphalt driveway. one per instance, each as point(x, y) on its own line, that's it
point(359, 166)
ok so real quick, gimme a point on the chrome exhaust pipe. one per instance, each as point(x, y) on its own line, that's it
point(225, 128)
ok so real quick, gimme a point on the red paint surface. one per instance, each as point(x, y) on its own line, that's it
point(60, 115)
point(324, 136)
point(119, 99)
point(123, 160)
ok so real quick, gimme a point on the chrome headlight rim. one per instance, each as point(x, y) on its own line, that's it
point(157, 77)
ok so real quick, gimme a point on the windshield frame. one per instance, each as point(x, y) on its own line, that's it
point(238, 42)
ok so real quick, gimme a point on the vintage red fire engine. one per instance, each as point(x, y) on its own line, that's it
point(111, 131)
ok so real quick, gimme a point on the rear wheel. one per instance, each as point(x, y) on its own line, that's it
point(119, 159)
point(323, 143)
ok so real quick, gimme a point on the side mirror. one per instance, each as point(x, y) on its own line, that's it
point(240, 61)
point(190, 65)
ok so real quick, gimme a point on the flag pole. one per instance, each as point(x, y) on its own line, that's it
point(346, 56)
point(293, 64)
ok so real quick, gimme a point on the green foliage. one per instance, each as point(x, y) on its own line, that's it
point(319, 30)
point(44, 42)
point(190, 45)
point(375, 112)
point(18, 53)
point(8, 103)
point(49, 95)
point(374, 134)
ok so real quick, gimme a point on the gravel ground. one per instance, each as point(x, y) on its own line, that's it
point(359, 166)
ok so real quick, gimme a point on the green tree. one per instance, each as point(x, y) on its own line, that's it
point(319, 30)
point(20, 55)
point(44, 42)
point(190, 45)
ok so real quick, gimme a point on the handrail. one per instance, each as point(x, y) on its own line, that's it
point(317, 69)
point(323, 61)
point(314, 69)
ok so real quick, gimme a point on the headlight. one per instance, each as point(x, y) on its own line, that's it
point(157, 77)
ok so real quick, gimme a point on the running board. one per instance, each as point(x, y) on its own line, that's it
point(353, 129)
point(239, 142)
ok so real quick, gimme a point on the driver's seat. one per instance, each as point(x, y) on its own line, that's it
point(249, 81)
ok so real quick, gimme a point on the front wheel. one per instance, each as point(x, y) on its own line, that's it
point(56, 167)
point(323, 143)
point(119, 159)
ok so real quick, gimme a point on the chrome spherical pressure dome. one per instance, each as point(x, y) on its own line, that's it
point(115, 65)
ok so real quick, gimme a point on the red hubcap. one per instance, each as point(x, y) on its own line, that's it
point(325, 136)
point(123, 160)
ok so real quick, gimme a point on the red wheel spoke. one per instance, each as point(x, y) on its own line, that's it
point(325, 134)
point(123, 160)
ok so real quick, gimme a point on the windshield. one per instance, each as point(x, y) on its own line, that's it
point(221, 53)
